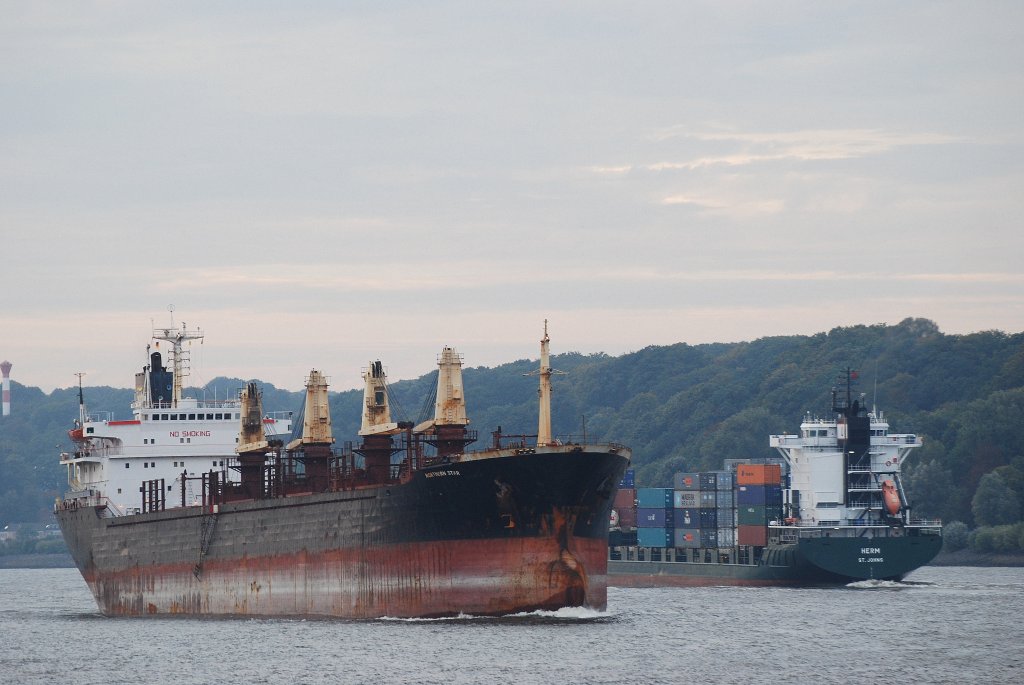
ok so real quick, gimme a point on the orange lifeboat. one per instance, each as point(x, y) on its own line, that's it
point(890, 497)
point(76, 434)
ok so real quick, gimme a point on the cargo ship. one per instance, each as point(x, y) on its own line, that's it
point(830, 510)
point(213, 507)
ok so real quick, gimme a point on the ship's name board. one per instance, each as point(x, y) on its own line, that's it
point(870, 560)
point(189, 434)
point(438, 474)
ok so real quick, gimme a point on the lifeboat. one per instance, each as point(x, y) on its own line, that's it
point(76, 434)
point(890, 498)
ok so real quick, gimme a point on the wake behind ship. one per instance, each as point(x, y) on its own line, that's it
point(227, 517)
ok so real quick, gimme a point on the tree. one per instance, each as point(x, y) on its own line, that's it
point(994, 502)
point(929, 489)
point(954, 536)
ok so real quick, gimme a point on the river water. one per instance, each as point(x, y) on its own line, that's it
point(943, 625)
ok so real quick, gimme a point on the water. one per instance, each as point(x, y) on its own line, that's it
point(945, 625)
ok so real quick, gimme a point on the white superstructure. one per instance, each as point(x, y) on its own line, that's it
point(169, 437)
point(832, 491)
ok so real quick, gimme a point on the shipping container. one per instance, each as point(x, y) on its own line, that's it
point(726, 537)
point(687, 518)
point(752, 535)
point(758, 474)
point(726, 517)
point(625, 497)
point(653, 498)
point(628, 479)
point(725, 499)
point(708, 481)
point(709, 537)
point(708, 499)
point(654, 518)
point(753, 515)
point(621, 538)
point(686, 538)
point(686, 481)
point(686, 499)
point(758, 495)
point(654, 537)
point(725, 480)
point(708, 518)
point(627, 517)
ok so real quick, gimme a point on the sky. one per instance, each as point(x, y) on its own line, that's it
point(322, 184)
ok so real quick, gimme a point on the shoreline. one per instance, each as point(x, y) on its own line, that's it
point(966, 557)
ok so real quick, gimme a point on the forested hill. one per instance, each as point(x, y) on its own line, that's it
point(680, 407)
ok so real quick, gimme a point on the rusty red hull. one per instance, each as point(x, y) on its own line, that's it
point(484, 537)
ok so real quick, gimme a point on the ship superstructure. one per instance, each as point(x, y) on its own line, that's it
point(170, 437)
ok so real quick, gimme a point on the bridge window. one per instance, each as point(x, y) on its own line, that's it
point(126, 464)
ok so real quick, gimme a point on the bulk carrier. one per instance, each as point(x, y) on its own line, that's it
point(216, 508)
point(832, 510)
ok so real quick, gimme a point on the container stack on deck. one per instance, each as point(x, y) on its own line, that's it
point(623, 525)
point(708, 510)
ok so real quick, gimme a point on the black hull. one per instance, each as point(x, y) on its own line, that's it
point(808, 562)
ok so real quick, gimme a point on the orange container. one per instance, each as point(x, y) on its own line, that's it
point(752, 535)
point(625, 498)
point(758, 474)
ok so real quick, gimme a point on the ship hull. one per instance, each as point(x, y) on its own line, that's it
point(808, 562)
point(488, 536)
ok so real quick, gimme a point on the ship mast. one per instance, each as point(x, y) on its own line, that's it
point(544, 391)
point(179, 358)
point(376, 412)
point(316, 422)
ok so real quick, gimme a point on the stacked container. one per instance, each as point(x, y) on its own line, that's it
point(655, 517)
point(725, 506)
point(758, 501)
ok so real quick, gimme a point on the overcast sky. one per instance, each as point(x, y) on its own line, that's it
point(319, 184)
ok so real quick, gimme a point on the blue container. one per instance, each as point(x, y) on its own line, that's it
point(687, 538)
point(654, 498)
point(654, 537)
point(686, 499)
point(628, 479)
point(758, 495)
point(725, 499)
point(708, 518)
point(709, 538)
point(686, 481)
point(708, 499)
point(724, 480)
point(654, 518)
point(708, 481)
point(687, 518)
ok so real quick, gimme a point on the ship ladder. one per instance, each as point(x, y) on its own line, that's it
point(206, 535)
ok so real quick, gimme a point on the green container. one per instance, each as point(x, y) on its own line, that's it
point(757, 515)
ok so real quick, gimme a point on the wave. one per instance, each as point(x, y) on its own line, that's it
point(873, 584)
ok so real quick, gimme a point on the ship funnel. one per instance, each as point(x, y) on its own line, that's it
point(376, 412)
point(250, 435)
point(316, 424)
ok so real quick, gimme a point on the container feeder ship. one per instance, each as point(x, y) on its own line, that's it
point(831, 510)
point(216, 508)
